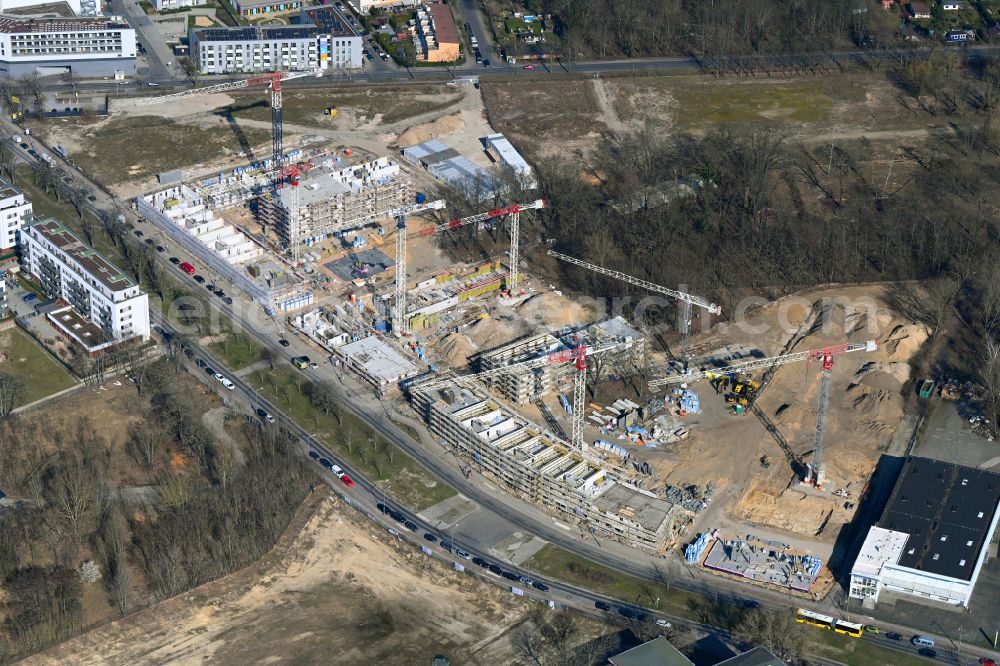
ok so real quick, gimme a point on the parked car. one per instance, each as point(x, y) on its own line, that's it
point(478, 561)
point(872, 629)
point(486, 62)
point(210, 286)
point(348, 481)
point(219, 293)
point(495, 569)
point(228, 300)
point(509, 575)
point(893, 636)
point(325, 463)
point(529, 68)
point(225, 381)
point(199, 279)
point(463, 554)
point(160, 248)
point(300, 362)
point(541, 587)
point(312, 364)
point(602, 605)
point(751, 603)
point(283, 342)
point(430, 537)
point(138, 233)
point(267, 417)
point(986, 661)
point(187, 268)
point(209, 370)
point(313, 455)
point(660, 622)
point(174, 260)
point(410, 525)
point(28, 298)
point(447, 545)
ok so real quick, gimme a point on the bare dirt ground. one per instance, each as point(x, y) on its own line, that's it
point(865, 408)
point(333, 591)
point(568, 116)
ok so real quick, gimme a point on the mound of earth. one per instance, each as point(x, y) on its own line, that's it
point(904, 340)
point(456, 348)
point(550, 309)
point(492, 332)
point(433, 130)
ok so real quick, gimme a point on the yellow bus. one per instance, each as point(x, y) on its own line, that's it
point(851, 629)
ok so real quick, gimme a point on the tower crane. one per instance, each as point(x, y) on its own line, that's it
point(578, 355)
point(686, 300)
point(274, 80)
point(815, 470)
point(399, 323)
point(514, 211)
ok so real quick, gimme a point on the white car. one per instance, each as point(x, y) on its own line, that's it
point(225, 381)
point(337, 470)
point(663, 623)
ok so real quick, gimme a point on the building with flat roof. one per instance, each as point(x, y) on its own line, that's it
point(15, 213)
point(435, 35)
point(319, 40)
point(758, 656)
point(934, 535)
point(86, 46)
point(250, 8)
point(534, 465)
point(524, 385)
point(502, 151)
point(98, 291)
point(378, 363)
point(335, 200)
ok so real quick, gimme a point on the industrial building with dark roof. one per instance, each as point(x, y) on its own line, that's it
point(934, 533)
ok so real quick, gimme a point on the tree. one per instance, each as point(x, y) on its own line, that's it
point(8, 159)
point(145, 441)
point(774, 630)
point(11, 393)
point(323, 396)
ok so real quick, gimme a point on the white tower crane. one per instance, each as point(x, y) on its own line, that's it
point(687, 300)
point(579, 357)
point(399, 322)
point(814, 473)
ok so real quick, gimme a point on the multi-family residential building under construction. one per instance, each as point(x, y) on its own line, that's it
point(537, 467)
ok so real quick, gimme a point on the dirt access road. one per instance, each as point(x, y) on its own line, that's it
point(335, 590)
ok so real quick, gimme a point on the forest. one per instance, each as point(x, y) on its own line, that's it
point(211, 512)
point(719, 28)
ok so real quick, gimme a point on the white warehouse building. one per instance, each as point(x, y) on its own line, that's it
point(85, 46)
point(15, 213)
point(320, 40)
point(933, 537)
point(106, 306)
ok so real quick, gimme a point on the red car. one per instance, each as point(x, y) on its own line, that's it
point(187, 268)
point(347, 481)
point(986, 661)
point(530, 68)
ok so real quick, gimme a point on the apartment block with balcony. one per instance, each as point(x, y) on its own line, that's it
point(15, 213)
point(106, 306)
point(85, 46)
point(319, 40)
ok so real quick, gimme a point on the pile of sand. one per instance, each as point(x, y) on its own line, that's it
point(550, 309)
point(488, 333)
point(433, 130)
point(456, 348)
point(788, 510)
point(904, 340)
point(882, 376)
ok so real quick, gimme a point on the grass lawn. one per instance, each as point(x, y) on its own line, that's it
point(110, 154)
point(238, 351)
point(708, 104)
point(553, 561)
point(42, 375)
point(395, 103)
point(378, 459)
point(853, 652)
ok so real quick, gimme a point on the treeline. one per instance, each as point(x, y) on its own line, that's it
point(722, 28)
point(212, 510)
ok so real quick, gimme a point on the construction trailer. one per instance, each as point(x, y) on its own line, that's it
point(537, 467)
point(525, 384)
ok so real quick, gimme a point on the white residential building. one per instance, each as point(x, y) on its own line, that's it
point(9, 5)
point(85, 46)
point(98, 292)
point(321, 40)
point(161, 5)
point(933, 537)
point(15, 213)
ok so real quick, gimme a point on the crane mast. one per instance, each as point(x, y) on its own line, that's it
point(814, 475)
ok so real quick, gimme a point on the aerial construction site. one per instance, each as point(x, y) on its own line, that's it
point(742, 444)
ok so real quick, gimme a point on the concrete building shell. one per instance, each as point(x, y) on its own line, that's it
point(536, 467)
